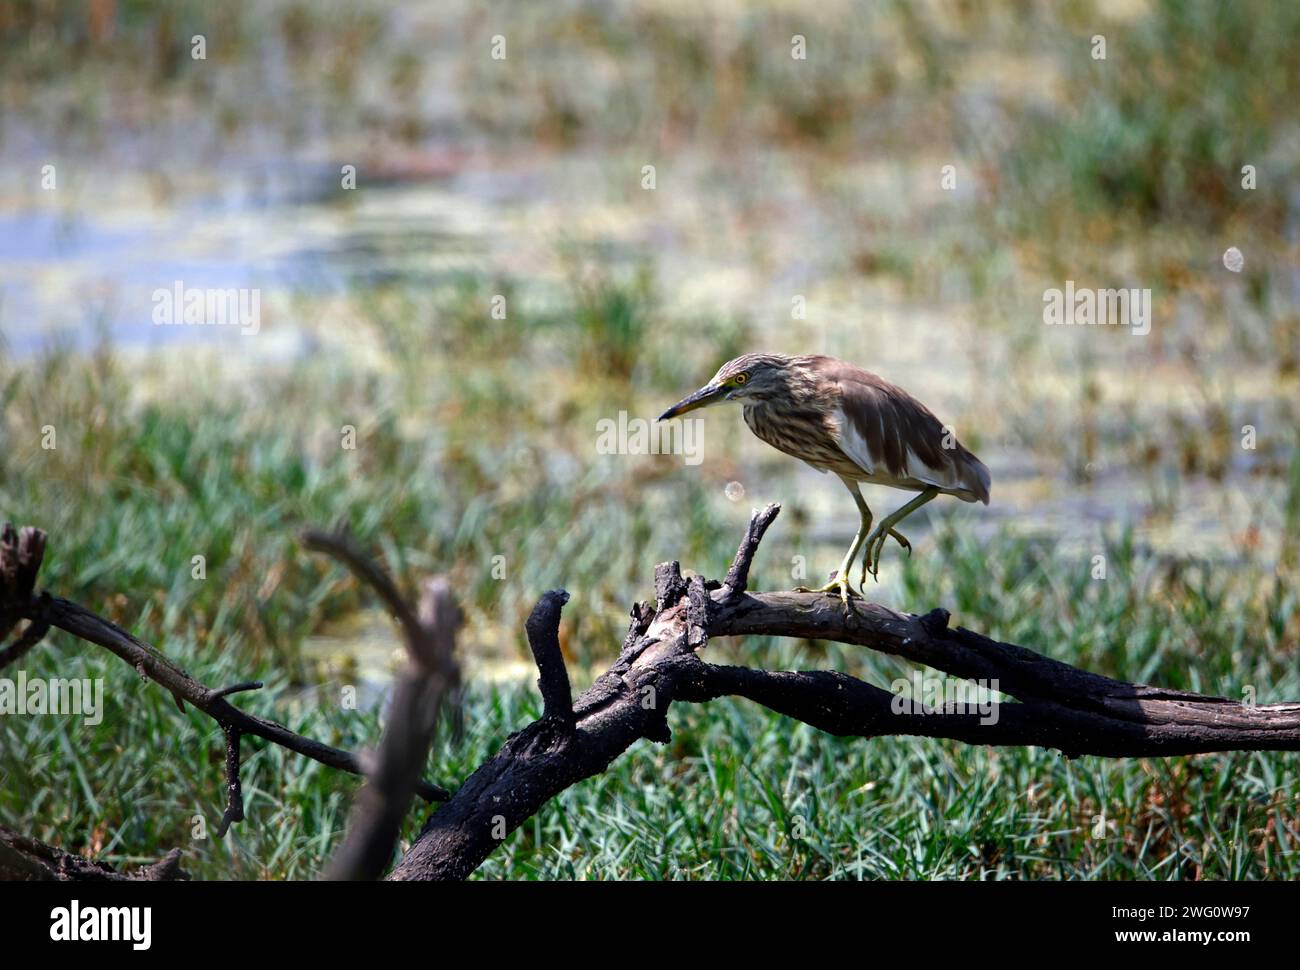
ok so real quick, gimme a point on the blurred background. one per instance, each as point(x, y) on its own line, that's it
point(798, 205)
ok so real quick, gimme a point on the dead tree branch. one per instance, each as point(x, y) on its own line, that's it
point(24, 859)
point(1055, 705)
point(234, 788)
point(153, 665)
point(543, 630)
point(21, 554)
point(1059, 706)
point(430, 673)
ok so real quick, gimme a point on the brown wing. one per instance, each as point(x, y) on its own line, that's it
point(898, 440)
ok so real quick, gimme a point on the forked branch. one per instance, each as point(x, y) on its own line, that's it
point(1058, 706)
point(21, 555)
point(1054, 704)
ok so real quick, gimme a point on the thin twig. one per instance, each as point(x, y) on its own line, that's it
point(238, 688)
point(21, 554)
point(234, 790)
point(152, 664)
point(345, 548)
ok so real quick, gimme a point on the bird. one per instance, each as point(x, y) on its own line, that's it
point(844, 420)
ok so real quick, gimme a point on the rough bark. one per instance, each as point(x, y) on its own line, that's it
point(1055, 705)
point(24, 859)
point(1059, 706)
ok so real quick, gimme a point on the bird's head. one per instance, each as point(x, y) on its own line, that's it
point(753, 377)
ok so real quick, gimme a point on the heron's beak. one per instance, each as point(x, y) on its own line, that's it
point(706, 395)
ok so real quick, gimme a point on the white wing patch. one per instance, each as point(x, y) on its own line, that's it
point(855, 446)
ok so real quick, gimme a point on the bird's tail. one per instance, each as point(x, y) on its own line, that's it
point(977, 478)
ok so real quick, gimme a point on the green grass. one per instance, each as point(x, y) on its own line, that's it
point(729, 795)
point(739, 792)
point(1137, 139)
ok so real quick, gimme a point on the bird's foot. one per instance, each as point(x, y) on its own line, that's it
point(836, 585)
point(874, 546)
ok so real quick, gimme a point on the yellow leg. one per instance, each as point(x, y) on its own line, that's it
point(876, 541)
point(840, 583)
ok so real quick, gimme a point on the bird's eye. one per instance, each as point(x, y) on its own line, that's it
point(741, 378)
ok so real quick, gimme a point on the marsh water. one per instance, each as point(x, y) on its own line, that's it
point(863, 253)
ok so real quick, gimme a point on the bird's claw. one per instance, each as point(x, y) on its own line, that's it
point(875, 546)
point(836, 585)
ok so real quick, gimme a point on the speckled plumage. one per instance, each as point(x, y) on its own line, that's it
point(840, 418)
